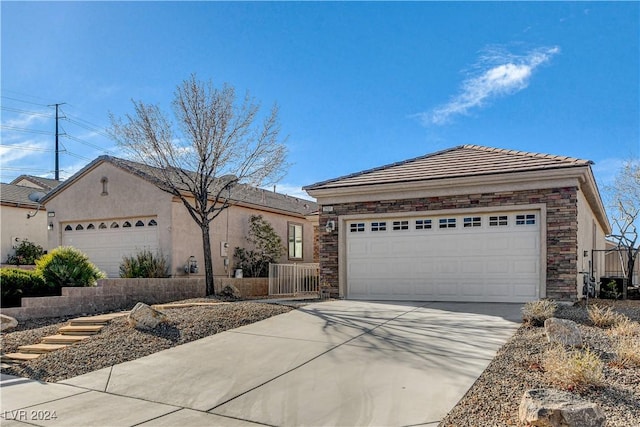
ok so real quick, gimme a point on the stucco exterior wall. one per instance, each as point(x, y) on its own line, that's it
point(231, 226)
point(14, 224)
point(561, 229)
point(591, 236)
point(127, 196)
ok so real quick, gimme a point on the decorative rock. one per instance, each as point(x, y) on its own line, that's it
point(231, 291)
point(144, 317)
point(553, 408)
point(7, 322)
point(563, 331)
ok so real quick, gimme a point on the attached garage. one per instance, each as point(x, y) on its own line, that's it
point(107, 241)
point(470, 223)
point(491, 256)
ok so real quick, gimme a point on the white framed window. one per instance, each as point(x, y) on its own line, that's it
point(498, 221)
point(423, 224)
point(400, 225)
point(525, 219)
point(295, 241)
point(379, 226)
point(447, 223)
point(356, 227)
point(472, 221)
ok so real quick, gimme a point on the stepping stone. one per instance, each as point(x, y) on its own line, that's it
point(100, 319)
point(64, 339)
point(80, 330)
point(19, 357)
point(40, 348)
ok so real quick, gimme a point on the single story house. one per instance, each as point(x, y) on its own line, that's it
point(20, 214)
point(114, 208)
point(469, 223)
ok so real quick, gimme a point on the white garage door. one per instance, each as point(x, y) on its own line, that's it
point(106, 241)
point(492, 257)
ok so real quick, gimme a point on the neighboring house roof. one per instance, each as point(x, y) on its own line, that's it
point(46, 184)
point(17, 195)
point(250, 195)
point(457, 162)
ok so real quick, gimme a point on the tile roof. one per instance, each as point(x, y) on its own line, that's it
point(249, 194)
point(44, 183)
point(456, 162)
point(18, 195)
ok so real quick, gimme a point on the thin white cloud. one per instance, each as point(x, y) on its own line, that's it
point(14, 152)
point(498, 73)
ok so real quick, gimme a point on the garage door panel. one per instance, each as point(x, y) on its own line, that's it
point(106, 247)
point(479, 263)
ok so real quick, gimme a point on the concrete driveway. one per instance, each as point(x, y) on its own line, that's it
point(339, 363)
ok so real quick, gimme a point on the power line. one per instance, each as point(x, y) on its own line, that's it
point(21, 147)
point(18, 129)
point(32, 113)
point(22, 100)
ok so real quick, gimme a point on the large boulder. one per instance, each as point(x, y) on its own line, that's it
point(145, 318)
point(7, 322)
point(552, 408)
point(563, 331)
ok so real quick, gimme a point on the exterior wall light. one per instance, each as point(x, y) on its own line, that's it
point(331, 225)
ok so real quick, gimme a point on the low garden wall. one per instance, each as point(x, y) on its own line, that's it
point(121, 294)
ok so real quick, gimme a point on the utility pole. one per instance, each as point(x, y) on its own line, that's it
point(57, 146)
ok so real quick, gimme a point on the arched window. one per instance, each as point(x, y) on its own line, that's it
point(102, 226)
point(139, 224)
point(126, 224)
point(152, 223)
point(91, 227)
point(68, 228)
point(79, 227)
point(114, 225)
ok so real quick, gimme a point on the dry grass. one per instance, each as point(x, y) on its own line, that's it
point(573, 370)
point(628, 351)
point(536, 312)
point(625, 328)
point(604, 317)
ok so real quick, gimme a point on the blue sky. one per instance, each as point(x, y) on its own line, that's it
point(359, 84)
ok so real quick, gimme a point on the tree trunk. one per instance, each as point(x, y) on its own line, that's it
point(630, 266)
point(208, 262)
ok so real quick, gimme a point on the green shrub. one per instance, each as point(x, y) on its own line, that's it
point(26, 254)
point(267, 248)
point(67, 266)
point(16, 283)
point(144, 264)
point(610, 291)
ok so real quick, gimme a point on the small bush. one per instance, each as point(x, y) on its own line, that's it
point(67, 266)
point(604, 317)
point(573, 370)
point(628, 351)
point(26, 254)
point(144, 264)
point(610, 291)
point(625, 328)
point(536, 312)
point(16, 283)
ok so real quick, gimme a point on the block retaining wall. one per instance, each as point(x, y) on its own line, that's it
point(123, 294)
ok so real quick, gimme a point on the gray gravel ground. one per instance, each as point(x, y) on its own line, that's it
point(494, 398)
point(118, 342)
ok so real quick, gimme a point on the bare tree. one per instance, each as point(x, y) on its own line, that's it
point(625, 195)
point(218, 142)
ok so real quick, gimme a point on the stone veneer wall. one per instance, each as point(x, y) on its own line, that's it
point(561, 240)
point(122, 294)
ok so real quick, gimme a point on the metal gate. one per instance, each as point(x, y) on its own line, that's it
point(611, 264)
point(293, 279)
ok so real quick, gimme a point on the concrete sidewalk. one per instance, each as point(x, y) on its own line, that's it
point(341, 363)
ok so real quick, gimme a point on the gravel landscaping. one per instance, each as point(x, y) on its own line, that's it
point(495, 397)
point(117, 342)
